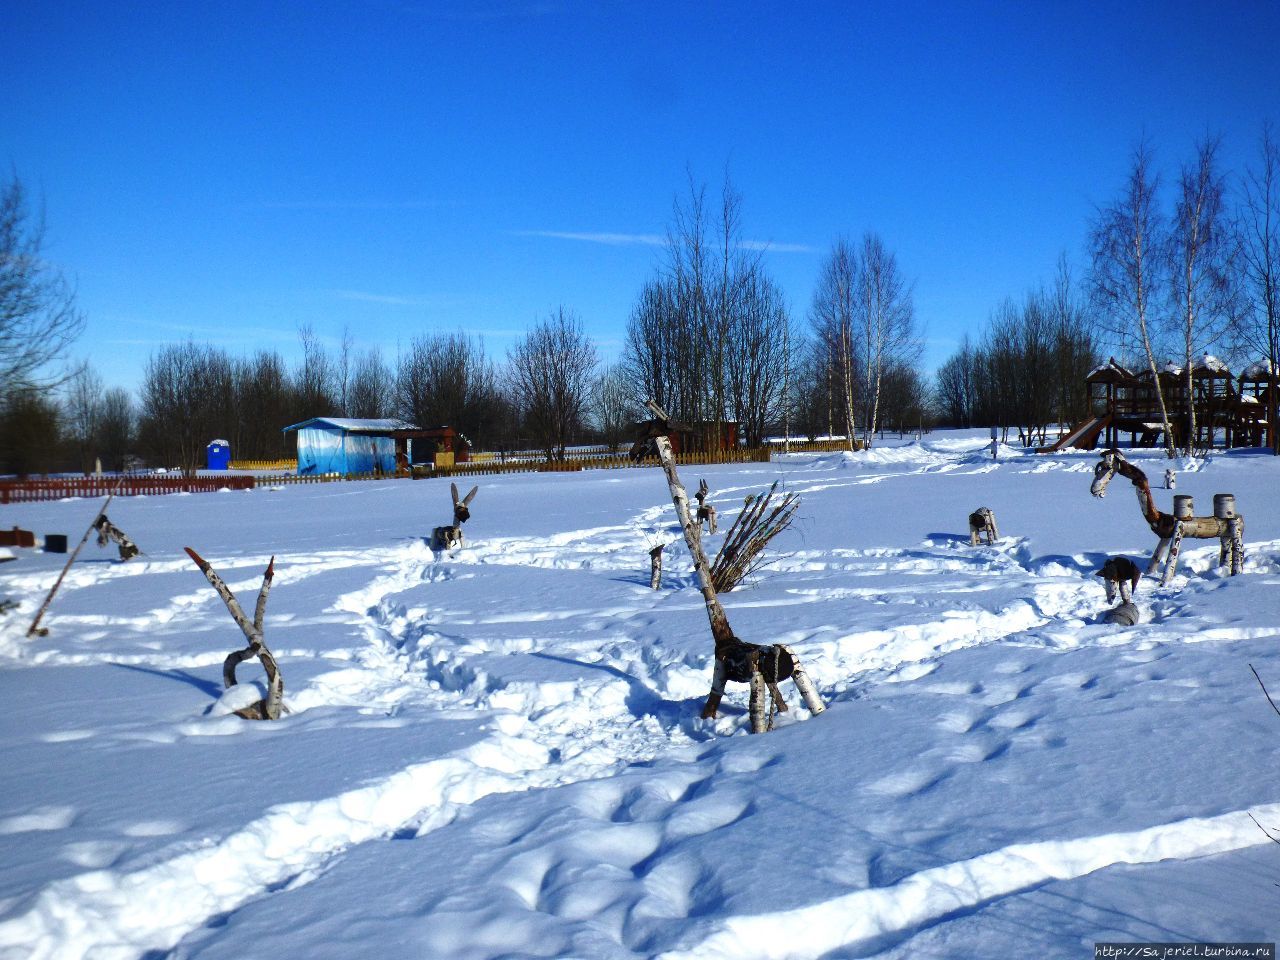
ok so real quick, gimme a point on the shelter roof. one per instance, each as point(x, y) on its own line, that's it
point(1109, 372)
point(1261, 371)
point(1210, 366)
point(383, 427)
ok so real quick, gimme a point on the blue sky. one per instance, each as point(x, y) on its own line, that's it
point(231, 170)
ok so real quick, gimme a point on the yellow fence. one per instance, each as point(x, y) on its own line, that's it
point(263, 464)
point(818, 446)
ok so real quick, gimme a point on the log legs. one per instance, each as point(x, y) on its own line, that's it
point(655, 567)
point(1175, 547)
point(718, 678)
point(1158, 556)
point(764, 677)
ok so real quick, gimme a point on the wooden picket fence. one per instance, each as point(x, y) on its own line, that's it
point(31, 491)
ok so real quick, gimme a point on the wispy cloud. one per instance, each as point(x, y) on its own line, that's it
point(657, 240)
point(389, 299)
point(350, 205)
point(609, 239)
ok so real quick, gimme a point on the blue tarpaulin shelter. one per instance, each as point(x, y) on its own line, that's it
point(219, 455)
point(342, 445)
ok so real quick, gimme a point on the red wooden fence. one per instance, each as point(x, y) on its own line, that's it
point(26, 491)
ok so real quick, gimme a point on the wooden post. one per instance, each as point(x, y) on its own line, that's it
point(34, 629)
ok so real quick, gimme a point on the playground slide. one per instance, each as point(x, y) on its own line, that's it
point(1084, 435)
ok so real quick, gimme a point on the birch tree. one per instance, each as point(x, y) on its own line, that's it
point(832, 316)
point(1127, 278)
point(1203, 253)
point(887, 315)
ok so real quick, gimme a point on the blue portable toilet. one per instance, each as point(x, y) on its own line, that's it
point(219, 452)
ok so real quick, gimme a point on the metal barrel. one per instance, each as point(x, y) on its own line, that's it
point(1184, 506)
point(1125, 615)
point(1224, 505)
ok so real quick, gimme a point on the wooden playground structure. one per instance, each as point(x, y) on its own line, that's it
point(1230, 410)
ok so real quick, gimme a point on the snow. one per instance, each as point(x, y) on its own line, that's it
point(497, 752)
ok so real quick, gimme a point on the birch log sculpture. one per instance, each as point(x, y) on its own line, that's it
point(706, 512)
point(1225, 524)
point(760, 666)
point(982, 527)
point(269, 707)
point(108, 531)
point(655, 566)
point(1120, 575)
point(446, 538)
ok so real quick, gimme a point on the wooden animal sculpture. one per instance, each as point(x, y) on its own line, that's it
point(982, 526)
point(109, 531)
point(706, 512)
point(1225, 524)
point(270, 706)
point(1120, 574)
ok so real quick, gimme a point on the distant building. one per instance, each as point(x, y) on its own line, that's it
point(347, 446)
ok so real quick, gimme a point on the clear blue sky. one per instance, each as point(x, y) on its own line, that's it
point(229, 170)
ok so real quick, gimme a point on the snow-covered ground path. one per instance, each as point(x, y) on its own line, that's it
point(497, 753)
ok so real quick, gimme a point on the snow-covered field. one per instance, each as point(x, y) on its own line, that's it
point(498, 753)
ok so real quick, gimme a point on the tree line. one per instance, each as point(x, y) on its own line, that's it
point(711, 337)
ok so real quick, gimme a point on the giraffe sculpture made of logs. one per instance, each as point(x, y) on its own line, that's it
point(1225, 525)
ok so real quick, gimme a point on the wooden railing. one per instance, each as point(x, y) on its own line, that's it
point(28, 491)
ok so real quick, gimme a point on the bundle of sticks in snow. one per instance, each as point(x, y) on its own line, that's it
point(759, 522)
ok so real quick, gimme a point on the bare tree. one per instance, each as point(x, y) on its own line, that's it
point(756, 356)
point(887, 322)
point(445, 379)
point(1260, 254)
point(1203, 251)
point(83, 414)
point(832, 316)
point(612, 406)
point(188, 397)
point(38, 316)
point(117, 427)
point(315, 379)
point(1126, 243)
point(265, 403)
point(372, 391)
point(551, 373)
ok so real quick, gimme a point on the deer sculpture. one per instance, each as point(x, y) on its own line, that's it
point(446, 538)
point(1225, 524)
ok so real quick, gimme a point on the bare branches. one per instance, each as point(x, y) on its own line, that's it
point(268, 708)
point(759, 522)
point(38, 317)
